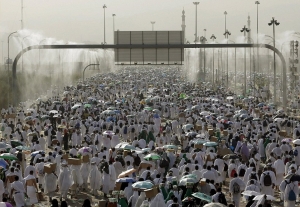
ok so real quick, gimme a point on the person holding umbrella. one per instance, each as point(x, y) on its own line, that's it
point(290, 190)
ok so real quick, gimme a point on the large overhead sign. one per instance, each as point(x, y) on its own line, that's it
point(144, 56)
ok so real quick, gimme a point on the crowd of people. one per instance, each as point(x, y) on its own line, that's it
point(148, 137)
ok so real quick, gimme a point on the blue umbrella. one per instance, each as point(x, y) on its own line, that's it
point(3, 163)
point(33, 154)
point(125, 180)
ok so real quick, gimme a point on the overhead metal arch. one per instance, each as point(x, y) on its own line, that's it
point(182, 46)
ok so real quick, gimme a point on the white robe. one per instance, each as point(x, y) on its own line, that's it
point(64, 180)
point(158, 201)
point(31, 190)
point(285, 188)
point(113, 177)
point(268, 190)
point(18, 193)
point(50, 184)
point(95, 178)
point(236, 198)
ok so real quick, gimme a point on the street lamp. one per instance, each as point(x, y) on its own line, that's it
point(104, 7)
point(245, 29)
point(226, 34)
point(257, 51)
point(196, 4)
point(203, 40)
point(23, 48)
point(274, 23)
point(234, 65)
point(8, 62)
point(213, 37)
point(152, 25)
point(225, 13)
point(113, 15)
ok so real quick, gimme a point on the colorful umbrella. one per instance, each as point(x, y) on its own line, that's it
point(84, 150)
point(148, 108)
point(173, 147)
point(15, 143)
point(152, 156)
point(125, 180)
point(8, 156)
point(3, 163)
point(288, 140)
point(109, 133)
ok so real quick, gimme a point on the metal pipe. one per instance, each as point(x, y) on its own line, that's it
point(86, 68)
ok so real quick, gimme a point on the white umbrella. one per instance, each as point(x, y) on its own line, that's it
point(214, 205)
point(250, 193)
point(269, 197)
point(53, 112)
point(297, 141)
point(204, 113)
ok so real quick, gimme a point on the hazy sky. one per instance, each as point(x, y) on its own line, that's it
point(82, 20)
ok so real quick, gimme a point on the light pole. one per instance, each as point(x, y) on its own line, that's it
point(213, 37)
point(104, 7)
point(196, 4)
point(257, 49)
point(203, 40)
point(113, 15)
point(274, 23)
point(8, 62)
point(225, 14)
point(23, 47)
point(226, 34)
point(152, 25)
point(40, 53)
point(245, 29)
point(234, 66)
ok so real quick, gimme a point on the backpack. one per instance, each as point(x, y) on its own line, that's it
point(236, 188)
point(292, 195)
point(286, 160)
point(225, 167)
point(288, 124)
point(163, 163)
point(104, 126)
point(125, 130)
point(121, 125)
point(46, 132)
point(267, 179)
point(222, 199)
point(253, 176)
point(295, 152)
point(132, 130)
point(232, 173)
point(117, 130)
point(242, 172)
point(297, 133)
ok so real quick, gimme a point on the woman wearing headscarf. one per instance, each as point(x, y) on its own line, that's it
point(140, 199)
point(95, 178)
point(64, 181)
point(158, 201)
point(133, 199)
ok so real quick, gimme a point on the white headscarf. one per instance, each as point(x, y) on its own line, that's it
point(158, 201)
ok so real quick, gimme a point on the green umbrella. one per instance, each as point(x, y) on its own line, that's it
point(8, 156)
point(148, 108)
point(182, 95)
point(28, 118)
point(199, 141)
point(15, 143)
point(124, 146)
point(142, 185)
point(153, 156)
point(24, 148)
point(210, 144)
point(76, 106)
point(87, 105)
point(202, 196)
point(173, 147)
